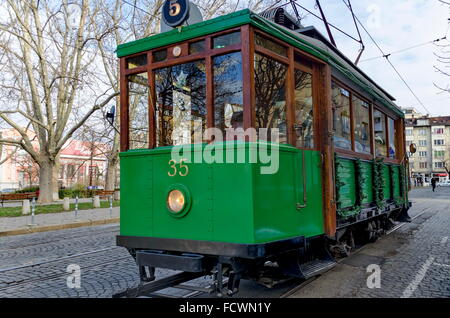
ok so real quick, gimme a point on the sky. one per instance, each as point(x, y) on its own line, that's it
point(395, 25)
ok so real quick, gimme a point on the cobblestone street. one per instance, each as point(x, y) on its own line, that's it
point(414, 261)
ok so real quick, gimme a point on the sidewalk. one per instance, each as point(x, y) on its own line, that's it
point(57, 221)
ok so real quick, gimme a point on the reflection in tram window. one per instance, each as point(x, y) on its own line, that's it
point(228, 98)
point(341, 117)
point(181, 104)
point(304, 113)
point(380, 133)
point(138, 110)
point(362, 118)
point(270, 89)
point(392, 134)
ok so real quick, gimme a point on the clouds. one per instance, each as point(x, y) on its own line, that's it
point(395, 25)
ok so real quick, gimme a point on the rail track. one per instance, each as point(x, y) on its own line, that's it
point(177, 281)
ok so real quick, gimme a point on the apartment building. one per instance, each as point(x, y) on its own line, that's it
point(431, 135)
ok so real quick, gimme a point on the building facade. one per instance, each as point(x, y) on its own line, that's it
point(80, 162)
point(431, 135)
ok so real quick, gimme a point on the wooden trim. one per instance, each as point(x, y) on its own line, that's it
point(124, 116)
point(290, 100)
point(209, 88)
point(354, 154)
point(372, 130)
point(137, 70)
point(325, 140)
point(152, 106)
point(248, 70)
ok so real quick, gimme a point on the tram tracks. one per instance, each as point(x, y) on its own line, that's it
point(192, 291)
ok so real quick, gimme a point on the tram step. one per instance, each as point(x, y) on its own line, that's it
point(316, 267)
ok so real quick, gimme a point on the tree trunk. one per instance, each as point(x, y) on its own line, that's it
point(111, 173)
point(48, 188)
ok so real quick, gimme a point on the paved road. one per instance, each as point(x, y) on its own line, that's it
point(414, 261)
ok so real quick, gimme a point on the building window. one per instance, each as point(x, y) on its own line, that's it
point(422, 153)
point(422, 143)
point(439, 165)
point(361, 122)
point(438, 131)
point(423, 165)
point(304, 112)
point(380, 133)
point(408, 132)
point(341, 117)
point(439, 142)
point(411, 165)
point(180, 104)
point(270, 89)
point(439, 154)
point(138, 89)
point(422, 132)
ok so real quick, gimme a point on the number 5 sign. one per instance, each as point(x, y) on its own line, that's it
point(175, 12)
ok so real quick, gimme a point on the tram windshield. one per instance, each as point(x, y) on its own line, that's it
point(180, 104)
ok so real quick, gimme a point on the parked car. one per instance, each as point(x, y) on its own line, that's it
point(8, 190)
point(444, 184)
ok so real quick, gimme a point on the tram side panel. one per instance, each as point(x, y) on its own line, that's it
point(228, 202)
point(362, 184)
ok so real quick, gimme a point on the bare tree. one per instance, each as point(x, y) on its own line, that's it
point(49, 52)
point(443, 57)
point(132, 23)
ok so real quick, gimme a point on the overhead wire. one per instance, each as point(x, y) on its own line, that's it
point(390, 63)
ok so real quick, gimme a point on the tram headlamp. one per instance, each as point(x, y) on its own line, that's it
point(176, 201)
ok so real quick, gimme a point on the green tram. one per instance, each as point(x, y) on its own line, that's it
point(340, 176)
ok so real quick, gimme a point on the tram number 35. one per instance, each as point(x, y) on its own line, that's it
point(178, 168)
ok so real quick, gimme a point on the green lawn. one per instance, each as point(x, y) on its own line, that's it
point(52, 208)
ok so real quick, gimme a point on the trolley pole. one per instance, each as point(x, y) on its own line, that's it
point(76, 206)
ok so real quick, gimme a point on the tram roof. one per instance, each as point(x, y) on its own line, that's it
point(321, 49)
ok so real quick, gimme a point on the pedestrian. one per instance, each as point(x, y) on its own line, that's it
point(433, 183)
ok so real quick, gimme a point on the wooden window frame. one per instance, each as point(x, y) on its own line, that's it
point(207, 55)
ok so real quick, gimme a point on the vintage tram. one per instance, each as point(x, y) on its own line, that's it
point(341, 171)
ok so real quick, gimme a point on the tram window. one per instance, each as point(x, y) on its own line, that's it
point(392, 133)
point(361, 122)
point(270, 89)
point(180, 104)
point(341, 117)
point(380, 133)
point(304, 112)
point(137, 61)
point(138, 90)
point(229, 39)
point(270, 45)
point(197, 47)
point(160, 56)
point(228, 96)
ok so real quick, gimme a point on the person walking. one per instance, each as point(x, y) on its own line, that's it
point(433, 183)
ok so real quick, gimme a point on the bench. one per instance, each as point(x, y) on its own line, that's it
point(104, 193)
point(17, 196)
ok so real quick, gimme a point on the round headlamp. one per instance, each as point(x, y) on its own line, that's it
point(176, 201)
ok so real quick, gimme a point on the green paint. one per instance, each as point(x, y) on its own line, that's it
point(230, 202)
point(362, 183)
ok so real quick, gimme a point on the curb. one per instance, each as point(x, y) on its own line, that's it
point(58, 227)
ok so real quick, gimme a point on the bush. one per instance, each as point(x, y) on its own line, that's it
point(28, 189)
point(77, 190)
